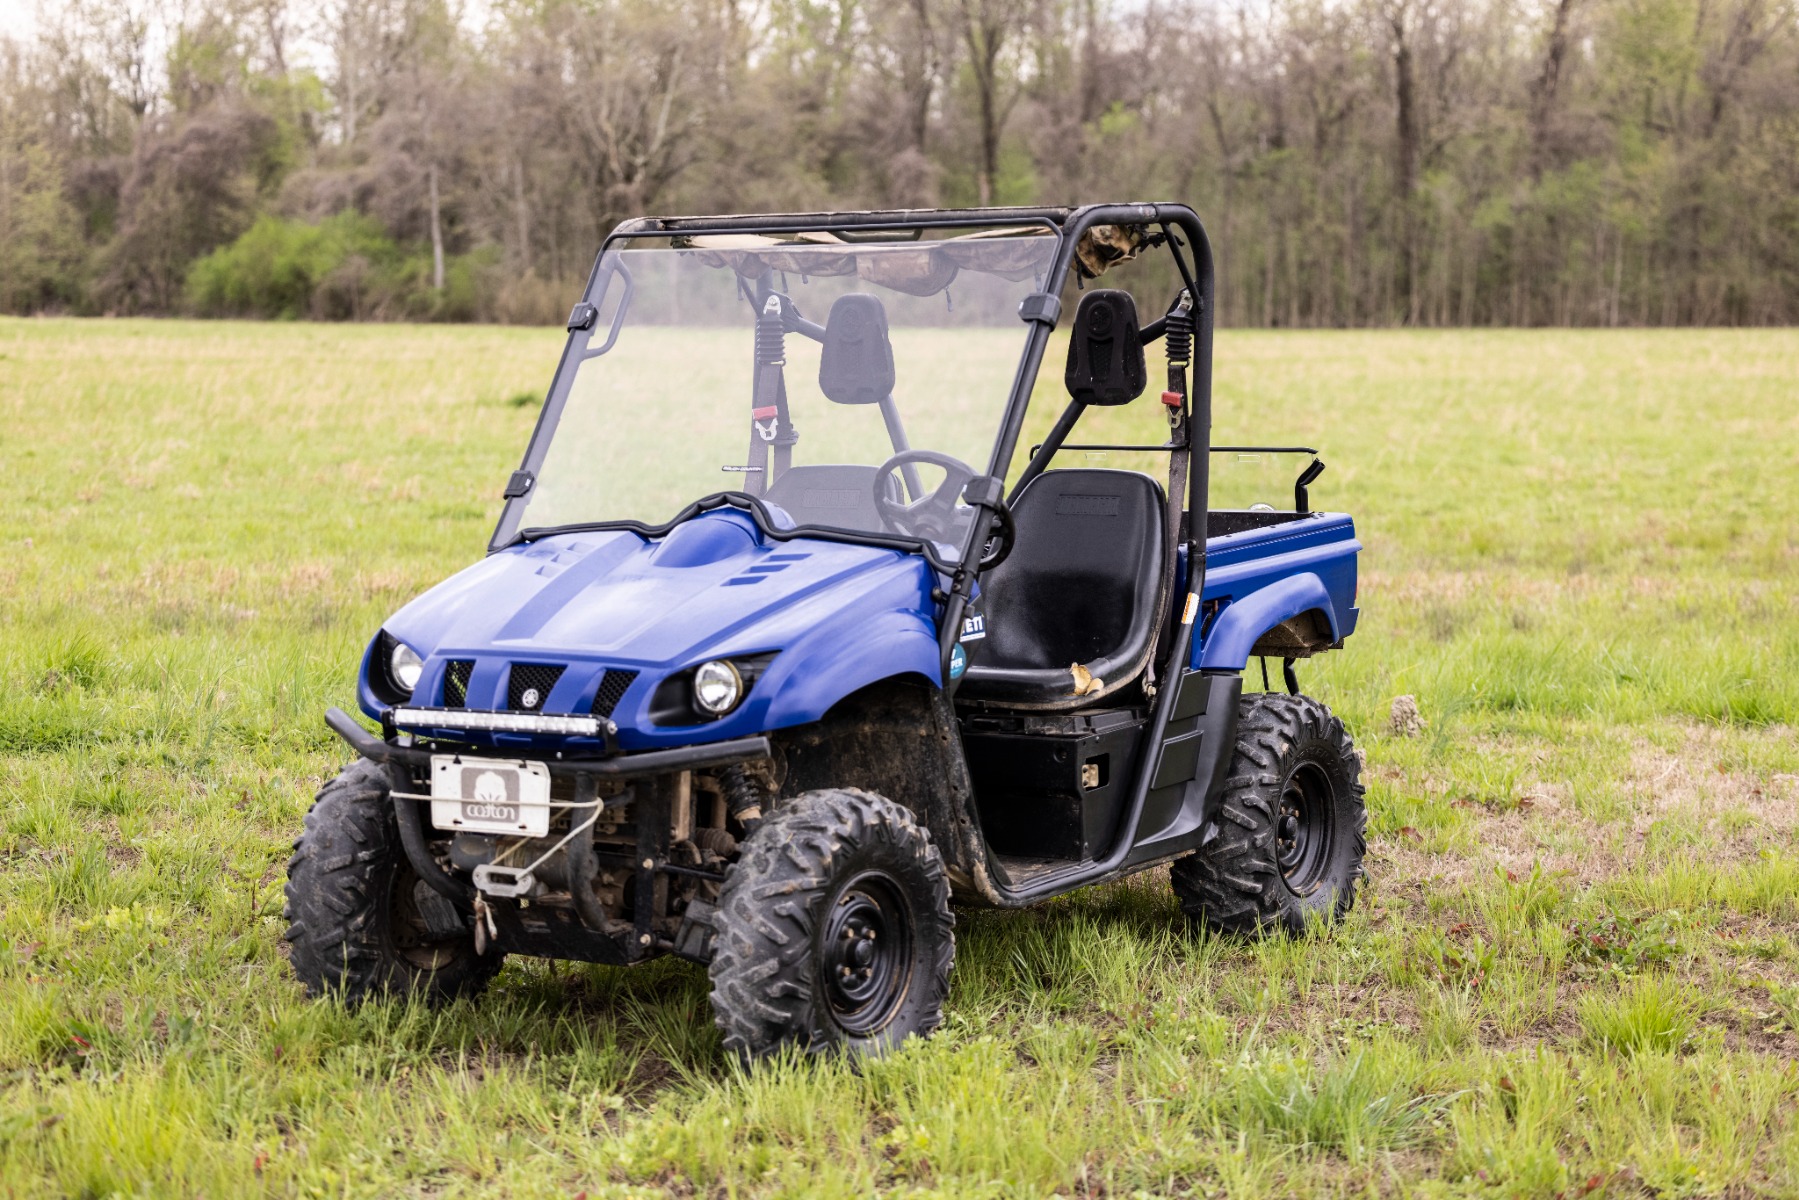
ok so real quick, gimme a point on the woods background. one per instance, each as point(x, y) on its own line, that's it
point(1358, 162)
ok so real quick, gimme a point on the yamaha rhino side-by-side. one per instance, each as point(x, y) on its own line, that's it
point(787, 637)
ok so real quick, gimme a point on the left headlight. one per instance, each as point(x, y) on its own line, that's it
point(404, 666)
point(717, 687)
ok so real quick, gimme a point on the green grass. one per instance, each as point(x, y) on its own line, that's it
point(1574, 971)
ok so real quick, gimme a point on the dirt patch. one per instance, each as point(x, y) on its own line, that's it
point(1733, 813)
point(1685, 797)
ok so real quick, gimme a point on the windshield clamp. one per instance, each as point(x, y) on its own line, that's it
point(984, 491)
point(1040, 306)
point(582, 316)
point(519, 484)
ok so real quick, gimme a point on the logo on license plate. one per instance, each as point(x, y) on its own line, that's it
point(493, 800)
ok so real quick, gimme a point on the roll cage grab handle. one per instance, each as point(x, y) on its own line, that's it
point(1041, 310)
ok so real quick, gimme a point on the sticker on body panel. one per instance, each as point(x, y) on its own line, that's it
point(974, 627)
point(490, 795)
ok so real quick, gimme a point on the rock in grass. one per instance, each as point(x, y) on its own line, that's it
point(1406, 721)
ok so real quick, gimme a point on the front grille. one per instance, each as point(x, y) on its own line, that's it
point(531, 677)
point(612, 689)
point(456, 674)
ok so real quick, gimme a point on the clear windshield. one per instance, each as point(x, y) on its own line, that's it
point(850, 387)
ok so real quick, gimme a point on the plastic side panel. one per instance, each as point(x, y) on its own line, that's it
point(836, 661)
point(861, 632)
point(1177, 814)
point(365, 695)
point(1261, 575)
point(1320, 530)
point(1244, 620)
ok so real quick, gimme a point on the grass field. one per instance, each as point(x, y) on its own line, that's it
point(1574, 970)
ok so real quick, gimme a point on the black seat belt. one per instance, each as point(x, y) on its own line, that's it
point(1177, 339)
point(770, 426)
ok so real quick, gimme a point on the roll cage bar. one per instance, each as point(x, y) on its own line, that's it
point(1040, 310)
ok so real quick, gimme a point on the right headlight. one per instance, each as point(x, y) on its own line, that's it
point(717, 687)
point(404, 666)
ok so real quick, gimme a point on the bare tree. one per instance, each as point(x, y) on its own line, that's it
point(1358, 161)
point(989, 29)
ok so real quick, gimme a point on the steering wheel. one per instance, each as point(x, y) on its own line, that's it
point(935, 516)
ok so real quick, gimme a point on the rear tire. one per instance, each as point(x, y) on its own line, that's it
point(1292, 824)
point(834, 930)
point(360, 920)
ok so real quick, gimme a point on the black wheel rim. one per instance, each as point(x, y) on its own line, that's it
point(1303, 827)
point(865, 954)
point(413, 940)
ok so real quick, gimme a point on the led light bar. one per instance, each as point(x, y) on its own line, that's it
point(499, 722)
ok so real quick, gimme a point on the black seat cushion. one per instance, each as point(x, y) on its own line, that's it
point(1079, 587)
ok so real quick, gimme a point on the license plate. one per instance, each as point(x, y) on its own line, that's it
point(485, 795)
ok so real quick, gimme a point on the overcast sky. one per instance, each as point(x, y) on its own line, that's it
point(16, 16)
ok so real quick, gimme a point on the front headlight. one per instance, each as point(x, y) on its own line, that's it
point(717, 687)
point(404, 666)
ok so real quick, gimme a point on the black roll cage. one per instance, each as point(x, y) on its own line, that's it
point(1040, 311)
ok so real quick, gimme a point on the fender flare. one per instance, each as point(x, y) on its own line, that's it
point(1243, 621)
point(823, 668)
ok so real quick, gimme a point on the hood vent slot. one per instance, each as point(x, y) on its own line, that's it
point(456, 676)
point(613, 686)
point(528, 685)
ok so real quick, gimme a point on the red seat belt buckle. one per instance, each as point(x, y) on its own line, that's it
point(1173, 399)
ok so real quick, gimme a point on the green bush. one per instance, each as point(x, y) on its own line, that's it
point(343, 268)
point(283, 268)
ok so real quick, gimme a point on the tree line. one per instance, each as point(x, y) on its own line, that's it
point(1358, 162)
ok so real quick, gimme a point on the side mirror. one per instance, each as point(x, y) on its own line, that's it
point(1105, 353)
point(856, 364)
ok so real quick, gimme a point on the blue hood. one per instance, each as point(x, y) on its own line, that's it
point(838, 616)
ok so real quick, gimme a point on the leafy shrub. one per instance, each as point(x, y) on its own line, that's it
point(291, 269)
point(343, 268)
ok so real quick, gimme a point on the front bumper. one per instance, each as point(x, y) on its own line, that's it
point(616, 766)
point(584, 934)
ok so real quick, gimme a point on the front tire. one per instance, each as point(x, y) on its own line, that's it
point(833, 930)
point(1292, 824)
point(360, 920)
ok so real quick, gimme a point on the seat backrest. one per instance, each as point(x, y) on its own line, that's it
point(1080, 583)
point(841, 496)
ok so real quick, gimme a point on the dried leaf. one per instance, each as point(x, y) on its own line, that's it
point(1086, 683)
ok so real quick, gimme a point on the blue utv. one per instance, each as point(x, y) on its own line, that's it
point(780, 646)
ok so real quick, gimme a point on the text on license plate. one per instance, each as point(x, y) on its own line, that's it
point(485, 795)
